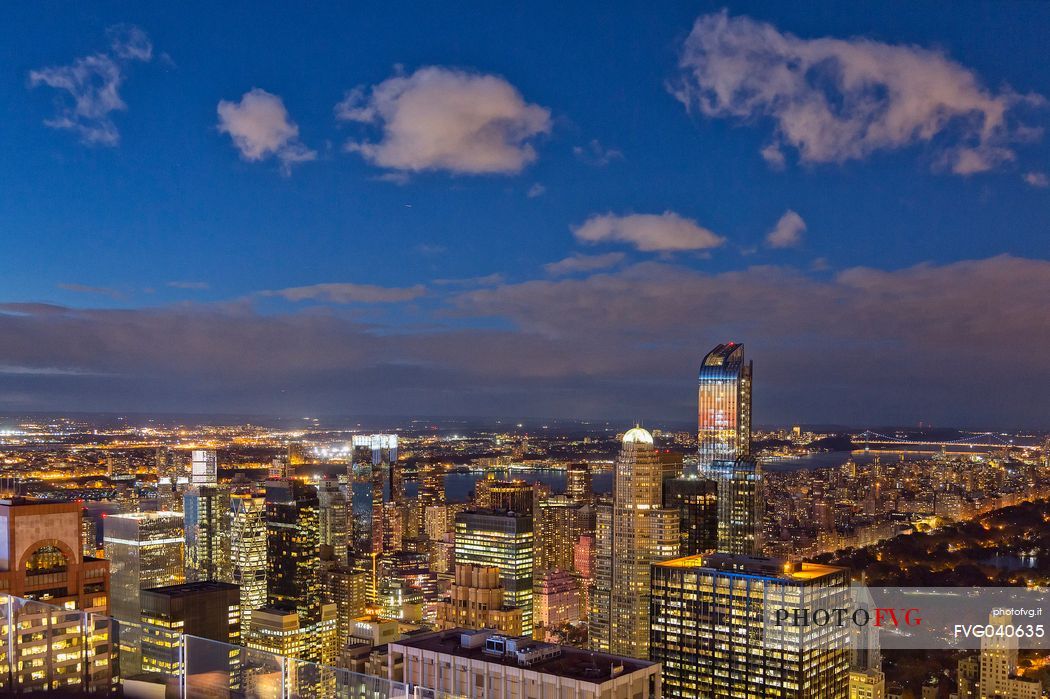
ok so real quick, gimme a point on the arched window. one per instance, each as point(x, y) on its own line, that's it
point(46, 559)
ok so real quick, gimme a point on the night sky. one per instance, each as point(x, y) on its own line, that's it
point(544, 209)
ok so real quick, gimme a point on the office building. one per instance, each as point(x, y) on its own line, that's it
point(347, 589)
point(867, 684)
point(144, 550)
point(204, 467)
point(696, 500)
point(248, 543)
point(504, 540)
point(205, 609)
point(206, 518)
point(513, 496)
point(632, 533)
point(476, 601)
point(41, 559)
point(333, 518)
point(484, 665)
point(714, 632)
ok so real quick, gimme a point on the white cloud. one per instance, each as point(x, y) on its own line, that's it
point(834, 100)
point(666, 232)
point(348, 293)
point(583, 263)
point(260, 128)
point(788, 231)
point(594, 153)
point(189, 285)
point(535, 190)
point(1037, 179)
point(444, 119)
point(93, 86)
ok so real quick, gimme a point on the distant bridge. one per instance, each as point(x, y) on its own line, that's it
point(991, 441)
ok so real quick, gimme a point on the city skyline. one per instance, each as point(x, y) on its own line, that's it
point(193, 228)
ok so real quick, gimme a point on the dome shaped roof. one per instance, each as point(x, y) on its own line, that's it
point(637, 435)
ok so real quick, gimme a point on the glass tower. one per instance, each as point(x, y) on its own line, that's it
point(724, 405)
point(248, 552)
point(504, 540)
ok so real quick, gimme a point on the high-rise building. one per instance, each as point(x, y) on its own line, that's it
point(696, 500)
point(558, 526)
point(346, 588)
point(41, 559)
point(867, 684)
point(475, 601)
point(293, 573)
point(714, 634)
point(206, 518)
point(248, 552)
point(513, 496)
point(504, 540)
point(724, 406)
point(144, 549)
point(206, 609)
point(502, 666)
point(204, 467)
point(382, 450)
point(741, 506)
point(556, 601)
point(333, 517)
point(578, 481)
point(631, 534)
point(998, 673)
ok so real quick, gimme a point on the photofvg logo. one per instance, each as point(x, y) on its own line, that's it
point(925, 618)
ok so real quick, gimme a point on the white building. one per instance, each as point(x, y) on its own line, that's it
point(204, 469)
point(484, 665)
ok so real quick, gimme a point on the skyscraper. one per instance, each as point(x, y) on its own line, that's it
point(206, 609)
point(724, 406)
point(714, 634)
point(144, 549)
point(475, 601)
point(333, 518)
point(504, 540)
point(635, 532)
point(578, 482)
point(204, 469)
point(248, 551)
point(724, 439)
point(696, 500)
point(206, 520)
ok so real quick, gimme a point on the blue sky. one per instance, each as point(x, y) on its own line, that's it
point(173, 236)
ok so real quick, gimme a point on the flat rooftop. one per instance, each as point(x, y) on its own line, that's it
point(191, 588)
point(574, 663)
point(755, 565)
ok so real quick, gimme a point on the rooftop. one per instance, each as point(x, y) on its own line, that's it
point(755, 565)
point(191, 588)
point(571, 663)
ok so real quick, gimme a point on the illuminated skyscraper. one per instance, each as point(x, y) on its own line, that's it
point(382, 450)
point(144, 549)
point(504, 540)
point(558, 527)
point(635, 532)
point(40, 559)
point(512, 496)
point(475, 601)
point(724, 438)
point(333, 518)
point(248, 551)
point(207, 525)
point(578, 482)
point(206, 609)
point(713, 628)
point(204, 469)
point(724, 406)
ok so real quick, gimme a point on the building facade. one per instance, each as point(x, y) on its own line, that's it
point(503, 540)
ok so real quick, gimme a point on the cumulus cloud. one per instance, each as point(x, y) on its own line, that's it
point(666, 232)
point(445, 119)
point(261, 128)
point(583, 263)
point(834, 100)
point(92, 86)
point(788, 231)
point(348, 293)
point(1037, 179)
